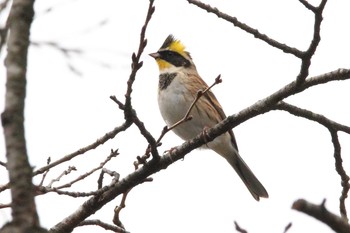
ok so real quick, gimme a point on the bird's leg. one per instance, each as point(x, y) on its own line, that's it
point(205, 134)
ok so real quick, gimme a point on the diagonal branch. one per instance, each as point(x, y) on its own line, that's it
point(83, 150)
point(320, 212)
point(304, 56)
point(153, 166)
point(328, 123)
point(274, 43)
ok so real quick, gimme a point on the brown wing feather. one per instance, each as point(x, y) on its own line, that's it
point(210, 101)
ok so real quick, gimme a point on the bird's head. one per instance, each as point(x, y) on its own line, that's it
point(172, 54)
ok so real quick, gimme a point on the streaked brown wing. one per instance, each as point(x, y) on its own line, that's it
point(211, 102)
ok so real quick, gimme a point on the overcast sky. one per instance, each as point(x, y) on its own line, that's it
point(291, 156)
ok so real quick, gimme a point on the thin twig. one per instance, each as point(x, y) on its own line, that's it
point(113, 174)
point(113, 154)
point(42, 190)
point(45, 173)
point(129, 112)
point(105, 226)
point(239, 229)
point(64, 173)
point(333, 128)
point(289, 225)
point(3, 164)
point(3, 206)
point(85, 149)
point(187, 116)
point(122, 205)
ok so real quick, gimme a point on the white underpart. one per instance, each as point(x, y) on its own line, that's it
point(174, 102)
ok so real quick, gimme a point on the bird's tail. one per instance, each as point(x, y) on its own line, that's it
point(249, 179)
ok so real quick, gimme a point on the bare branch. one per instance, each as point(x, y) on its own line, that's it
point(102, 164)
point(285, 48)
point(153, 166)
point(304, 56)
point(3, 164)
point(45, 173)
point(308, 5)
point(42, 190)
point(333, 127)
point(328, 123)
point(239, 229)
point(3, 206)
point(338, 224)
point(129, 112)
point(64, 173)
point(122, 205)
point(307, 55)
point(105, 226)
point(341, 171)
point(289, 225)
point(83, 150)
point(113, 174)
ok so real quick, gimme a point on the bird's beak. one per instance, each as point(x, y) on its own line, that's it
point(155, 55)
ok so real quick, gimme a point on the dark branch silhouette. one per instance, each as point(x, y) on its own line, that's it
point(338, 224)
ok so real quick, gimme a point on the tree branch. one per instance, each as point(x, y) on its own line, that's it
point(341, 171)
point(85, 149)
point(20, 172)
point(300, 112)
point(239, 229)
point(105, 226)
point(320, 212)
point(333, 128)
point(307, 55)
point(129, 112)
point(153, 166)
point(285, 48)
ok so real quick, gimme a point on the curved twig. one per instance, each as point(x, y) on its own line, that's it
point(333, 128)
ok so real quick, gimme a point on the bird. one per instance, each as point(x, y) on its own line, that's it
point(178, 85)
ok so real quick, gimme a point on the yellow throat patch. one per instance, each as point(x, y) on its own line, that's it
point(163, 64)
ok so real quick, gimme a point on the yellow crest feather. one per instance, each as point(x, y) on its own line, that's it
point(177, 46)
point(173, 44)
